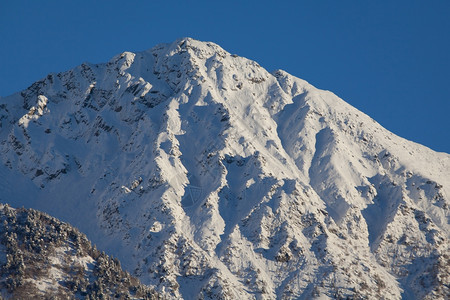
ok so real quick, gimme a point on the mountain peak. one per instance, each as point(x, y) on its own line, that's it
point(201, 49)
point(207, 175)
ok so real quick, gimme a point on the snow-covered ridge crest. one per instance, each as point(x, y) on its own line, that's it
point(207, 175)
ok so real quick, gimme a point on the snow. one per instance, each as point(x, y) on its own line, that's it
point(58, 260)
point(201, 168)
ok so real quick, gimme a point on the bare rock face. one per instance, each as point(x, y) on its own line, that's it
point(209, 177)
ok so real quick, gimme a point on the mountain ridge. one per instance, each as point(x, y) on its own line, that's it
point(240, 182)
point(44, 258)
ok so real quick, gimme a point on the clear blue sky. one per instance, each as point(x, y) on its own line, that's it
point(390, 59)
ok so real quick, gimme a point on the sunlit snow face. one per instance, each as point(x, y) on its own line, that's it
point(199, 168)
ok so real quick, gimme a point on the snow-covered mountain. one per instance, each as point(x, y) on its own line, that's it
point(209, 177)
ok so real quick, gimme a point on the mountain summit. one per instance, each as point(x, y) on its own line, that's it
point(209, 177)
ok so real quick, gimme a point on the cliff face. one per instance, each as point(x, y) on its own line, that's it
point(208, 176)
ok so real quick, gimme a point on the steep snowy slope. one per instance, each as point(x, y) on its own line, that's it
point(208, 176)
